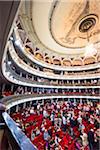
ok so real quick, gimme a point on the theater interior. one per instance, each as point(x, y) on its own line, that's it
point(49, 74)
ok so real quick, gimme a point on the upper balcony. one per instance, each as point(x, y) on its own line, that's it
point(31, 58)
point(46, 43)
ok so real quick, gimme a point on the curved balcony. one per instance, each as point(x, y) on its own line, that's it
point(13, 74)
point(42, 52)
point(22, 64)
point(74, 80)
point(64, 64)
point(17, 105)
point(14, 138)
point(14, 100)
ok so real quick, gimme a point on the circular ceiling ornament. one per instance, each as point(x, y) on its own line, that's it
point(87, 23)
point(58, 30)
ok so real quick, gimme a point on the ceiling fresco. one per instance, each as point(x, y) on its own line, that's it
point(70, 22)
point(64, 26)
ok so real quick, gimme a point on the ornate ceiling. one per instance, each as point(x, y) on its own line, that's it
point(62, 26)
point(70, 22)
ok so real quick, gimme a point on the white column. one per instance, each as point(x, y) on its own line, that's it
point(80, 100)
point(30, 103)
point(17, 108)
point(85, 81)
point(20, 74)
point(79, 81)
point(31, 89)
point(75, 100)
point(26, 76)
point(26, 89)
point(24, 105)
point(12, 87)
point(43, 102)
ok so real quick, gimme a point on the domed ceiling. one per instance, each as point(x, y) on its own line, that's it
point(70, 22)
point(64, 26)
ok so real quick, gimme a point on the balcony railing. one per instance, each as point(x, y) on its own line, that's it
point(17, 140)
point(11, 136)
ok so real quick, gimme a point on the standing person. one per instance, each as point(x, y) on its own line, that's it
point(64, 122)
point(57, 139)
point(46, 135)
point(32, 135)
point(84, 139)
point(52, 117)
point(91, 139)
point(45, 113)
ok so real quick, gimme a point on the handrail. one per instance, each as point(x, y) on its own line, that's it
point(20, 63)
point(8, 73)
point(47, 82)
point(17, 139)
point(14, 100)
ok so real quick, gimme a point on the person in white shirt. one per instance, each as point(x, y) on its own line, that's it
point(38, 106)
point(84, 139)
point(45, 113)
point(52, 117)
point(64, 122)
point(79, 119)
point(46, 135)
point(32, 135)
point(57, 139)
point(32, 110)
point(37, 131)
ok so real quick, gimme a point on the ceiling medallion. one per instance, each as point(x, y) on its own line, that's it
point(87, 23)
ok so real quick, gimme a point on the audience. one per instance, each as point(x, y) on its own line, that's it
point(61, 125)
point(17, 90)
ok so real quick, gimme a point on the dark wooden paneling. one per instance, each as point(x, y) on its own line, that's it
point(8, 11)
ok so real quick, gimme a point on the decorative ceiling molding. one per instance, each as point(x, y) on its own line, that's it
point(39, 27)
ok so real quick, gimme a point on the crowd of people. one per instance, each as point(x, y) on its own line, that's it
point(61, 125)
point(35, 90)
point(48, 81)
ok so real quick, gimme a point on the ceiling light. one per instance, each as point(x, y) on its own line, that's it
point(17, 42)
point(90, 50)
point(11, 38)
point(9, 62)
